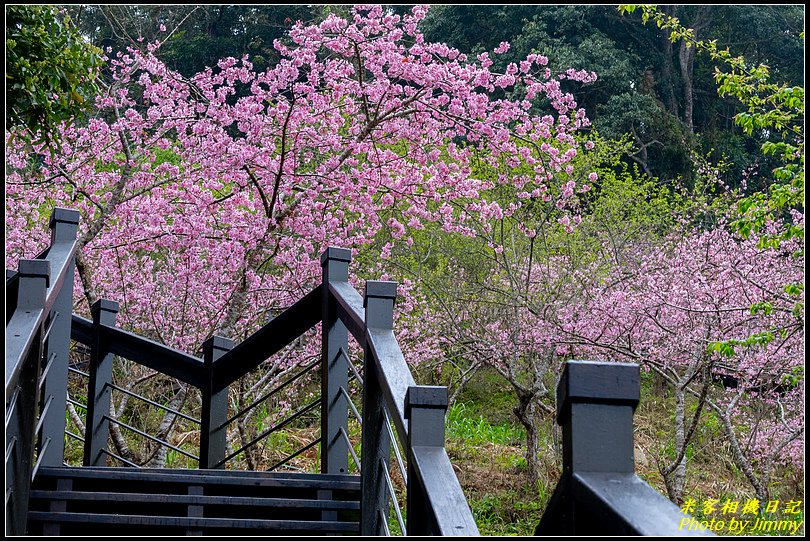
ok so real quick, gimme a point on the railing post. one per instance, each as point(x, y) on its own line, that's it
point(64, 225)
point(99, 392)
point(425, 409)
point(595, 404)
point(21, 405)
point(213, 436)
point(376, 452)
point(334, 367)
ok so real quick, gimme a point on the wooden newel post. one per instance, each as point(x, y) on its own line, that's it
point(64, 226)
point(334, 367)
point(213, 435)
point(595, 405)
point(425, 410)
point(34, 277)
point(379, 300)
point(99, 392)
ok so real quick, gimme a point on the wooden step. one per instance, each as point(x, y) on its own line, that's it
point(188, 499)
point(119, 501)
point(192, 522)
point(207, 477)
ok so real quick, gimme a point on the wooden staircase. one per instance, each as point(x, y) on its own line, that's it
point(119, 501)
point(45, 495)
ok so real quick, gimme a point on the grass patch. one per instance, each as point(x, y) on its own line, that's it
point(464, 424)
point(491, 397)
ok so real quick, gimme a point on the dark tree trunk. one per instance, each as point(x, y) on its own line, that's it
point(529, 413)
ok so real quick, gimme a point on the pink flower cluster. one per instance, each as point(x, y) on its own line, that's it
point(220, 190)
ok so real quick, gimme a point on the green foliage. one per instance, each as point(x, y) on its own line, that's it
point(774, 110)
point(507, 513)
point(475, 429)
point(490, 397)
point(764, 307)
point(50, 69)
point(726, 348)
point(195, 36)
point(640, 88)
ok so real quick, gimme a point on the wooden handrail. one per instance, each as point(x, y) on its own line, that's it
point(37, 343)
point(269, 340)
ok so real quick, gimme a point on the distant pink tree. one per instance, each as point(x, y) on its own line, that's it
point(703, 309)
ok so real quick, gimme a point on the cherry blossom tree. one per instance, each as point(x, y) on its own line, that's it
point(693, 310)
point(206, 200)
point(697, 308)
point(495, 300)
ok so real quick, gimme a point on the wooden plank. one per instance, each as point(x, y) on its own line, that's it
point(444, 496)
point(192, 499)
point(81, 329)
point(194, 478)
point(194, 510)
point(191, 522)
point(60, 255)
point(630, 506)
point(61, 472)
point(24, 323)
point(394, 374)
point(20, 333)
point(151, 354)
point(63, 486)
point(349, 308)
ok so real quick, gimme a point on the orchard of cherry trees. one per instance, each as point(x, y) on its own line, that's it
point(519, 236)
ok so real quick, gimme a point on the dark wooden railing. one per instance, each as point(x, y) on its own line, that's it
point(37, 345)
point(598, 492)
point(435, 502)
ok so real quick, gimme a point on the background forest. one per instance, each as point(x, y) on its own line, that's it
point(544, 182)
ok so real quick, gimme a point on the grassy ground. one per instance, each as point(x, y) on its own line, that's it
point(487, 446)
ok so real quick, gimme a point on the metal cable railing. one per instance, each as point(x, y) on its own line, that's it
point(153, 403)
point(46, 370)
point(77, 371)
point(120, 458)
point(348, 441)
point(151, 437)
point(40, 456)
point(393, 495)
point(272, 392)
point(74, 436)
point(299, 378)
point(278, 426)
point(176, 413)
point(301, 451)
point(75, 424)
point(11, 406)
point(395, 446)
point(397, 500)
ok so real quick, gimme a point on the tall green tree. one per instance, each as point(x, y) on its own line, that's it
point(656, 90)
point(194, 37)
point(50, 69)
